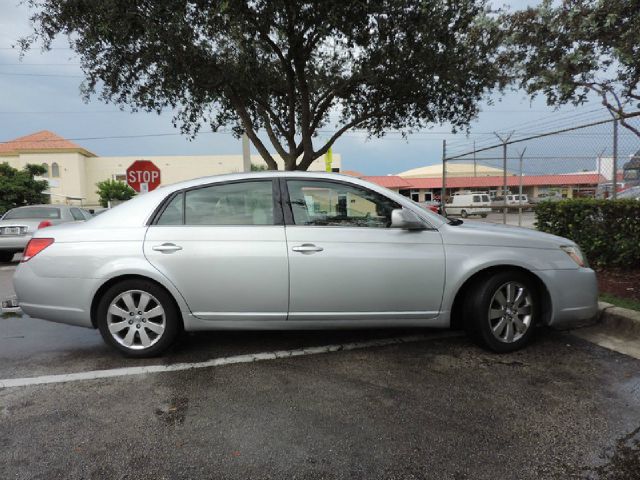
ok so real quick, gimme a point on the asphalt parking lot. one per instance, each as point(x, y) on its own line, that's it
point(433, 407)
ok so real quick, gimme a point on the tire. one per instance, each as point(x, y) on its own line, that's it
point(6, 256)
point(158, 325)
point(464, 214)
point(483, 215)
point(497, 328)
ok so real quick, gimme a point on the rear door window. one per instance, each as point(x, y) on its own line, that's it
point(77, 214)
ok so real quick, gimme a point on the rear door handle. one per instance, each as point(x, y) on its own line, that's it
point(307, 248)
point(167, 248)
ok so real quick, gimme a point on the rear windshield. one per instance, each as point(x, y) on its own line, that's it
point(32, 212)
point(485, 198)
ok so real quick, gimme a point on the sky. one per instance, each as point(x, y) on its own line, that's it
point(41, 92)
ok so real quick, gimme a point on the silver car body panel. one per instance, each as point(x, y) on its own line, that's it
point(237, 277)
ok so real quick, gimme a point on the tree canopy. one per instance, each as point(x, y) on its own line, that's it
point(569, 50)
point(288, 68)
point(19, 187)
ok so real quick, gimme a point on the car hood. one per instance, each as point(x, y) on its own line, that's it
point(491, 234)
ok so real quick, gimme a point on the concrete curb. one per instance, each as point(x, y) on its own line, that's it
point(623, 321)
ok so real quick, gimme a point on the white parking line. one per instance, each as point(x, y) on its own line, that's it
point(216, 362)
point(8, 267)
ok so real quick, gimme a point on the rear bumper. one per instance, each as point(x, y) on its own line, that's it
point(62, 300)
point(14, 244)
point(574, 295)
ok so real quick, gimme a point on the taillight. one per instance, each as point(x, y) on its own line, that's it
point(44, 223)
point(34, 247)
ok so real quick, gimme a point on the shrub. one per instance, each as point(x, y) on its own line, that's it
point(113, 190)
point(607, 231)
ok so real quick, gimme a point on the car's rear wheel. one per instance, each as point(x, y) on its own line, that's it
point(464, 214)
point(6, 256)
point(501, 311)
point(138, 318)
point(483, 215)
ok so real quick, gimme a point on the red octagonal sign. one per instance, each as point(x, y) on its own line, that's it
point(143, 176)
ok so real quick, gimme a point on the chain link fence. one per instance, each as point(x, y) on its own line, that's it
point(502, 177)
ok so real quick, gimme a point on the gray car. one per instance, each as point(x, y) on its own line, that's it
point(291, 250)
point(18, 224)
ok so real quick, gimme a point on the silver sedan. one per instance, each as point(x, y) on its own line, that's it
point(18, 224)
point(290, 250)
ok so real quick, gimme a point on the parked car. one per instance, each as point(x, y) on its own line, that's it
point(631, 192)
point(469, 204)
point(432, 206)
point(296, 250)
point(546, 197)
point(18, 225)
point(511, 200)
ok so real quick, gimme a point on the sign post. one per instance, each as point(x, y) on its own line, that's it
point(143, 176)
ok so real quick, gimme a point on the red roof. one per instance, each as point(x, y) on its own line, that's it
point(352, 173)
point(485, 182)
point(389, 181)
point(44, 140)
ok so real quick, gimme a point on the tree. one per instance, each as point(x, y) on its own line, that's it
point(113, 190)
point(19, 187)
point(284, 67)
point(577, 48)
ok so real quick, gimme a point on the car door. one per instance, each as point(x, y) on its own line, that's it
point(346, 263)
point(223, 246)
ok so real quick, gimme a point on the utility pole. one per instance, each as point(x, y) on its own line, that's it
point(505, 142)
point(475, 168)
point(615, 157)
point(520, 190)
point(444, 177)
point(246, 154)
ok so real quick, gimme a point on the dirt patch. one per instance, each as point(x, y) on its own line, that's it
point(621, 283)
point(174, 412)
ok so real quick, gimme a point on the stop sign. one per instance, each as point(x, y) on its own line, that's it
point(143, 176)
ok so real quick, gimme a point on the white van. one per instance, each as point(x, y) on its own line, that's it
point(469, 204)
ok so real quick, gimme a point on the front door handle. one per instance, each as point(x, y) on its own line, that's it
point(167, 248)
point(307, 248)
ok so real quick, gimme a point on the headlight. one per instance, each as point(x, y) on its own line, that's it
point(576, 255)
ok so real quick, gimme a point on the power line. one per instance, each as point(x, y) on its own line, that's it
point(40, 75)
point(26, 64)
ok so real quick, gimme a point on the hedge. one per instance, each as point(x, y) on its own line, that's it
point(607, 231)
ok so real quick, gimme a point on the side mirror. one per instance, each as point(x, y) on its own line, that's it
point(406, 219)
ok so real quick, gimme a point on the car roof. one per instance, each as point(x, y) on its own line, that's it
point(138, 210)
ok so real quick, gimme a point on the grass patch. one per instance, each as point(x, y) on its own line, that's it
point(620, 302)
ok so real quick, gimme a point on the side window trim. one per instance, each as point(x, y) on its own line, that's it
point(276, 199)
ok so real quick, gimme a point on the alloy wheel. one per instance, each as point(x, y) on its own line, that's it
point(136, 319)
point(510, 312)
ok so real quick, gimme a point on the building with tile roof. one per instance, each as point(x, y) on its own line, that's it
point(73, 171)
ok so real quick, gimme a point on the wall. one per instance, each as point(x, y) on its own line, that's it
point(71, 166)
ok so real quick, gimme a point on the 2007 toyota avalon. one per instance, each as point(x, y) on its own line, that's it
point(290, 250)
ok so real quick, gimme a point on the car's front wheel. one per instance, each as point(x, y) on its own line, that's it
point(138, 318)
point(501, 311)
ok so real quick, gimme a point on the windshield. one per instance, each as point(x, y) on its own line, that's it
point(32, 213)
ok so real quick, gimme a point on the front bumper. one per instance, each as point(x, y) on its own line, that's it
point(574, 296)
